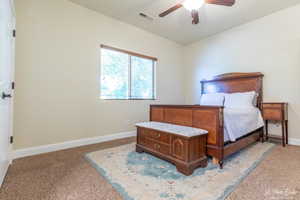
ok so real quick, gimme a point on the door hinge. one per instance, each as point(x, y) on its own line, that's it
point(13, 85)
point(14, 33)
point(11, 139)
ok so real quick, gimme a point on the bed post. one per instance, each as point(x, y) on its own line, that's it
point(216, 149)
point(221, 137)
point(260, 105)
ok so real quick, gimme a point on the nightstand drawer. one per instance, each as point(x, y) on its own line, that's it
point(275, 111)
point(272, 113)
point(272, 105)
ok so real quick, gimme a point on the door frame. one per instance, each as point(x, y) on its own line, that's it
point(13, 63)
point(12, 24)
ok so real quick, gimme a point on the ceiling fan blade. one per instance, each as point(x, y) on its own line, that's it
point(171, 10)
point(221, 2)
point(195, 16)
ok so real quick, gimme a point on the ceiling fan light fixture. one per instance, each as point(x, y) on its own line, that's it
point(193, 4)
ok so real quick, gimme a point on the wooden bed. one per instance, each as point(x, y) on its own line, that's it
point(210, 118)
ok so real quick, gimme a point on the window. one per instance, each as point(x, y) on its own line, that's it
point(126, 75)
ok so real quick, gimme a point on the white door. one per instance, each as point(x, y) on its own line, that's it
point(7, 23)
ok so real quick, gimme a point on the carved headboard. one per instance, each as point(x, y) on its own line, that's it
point(235, 82)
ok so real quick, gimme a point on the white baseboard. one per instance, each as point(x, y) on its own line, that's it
point(86, 141)
point(3, 169)
point(293, 141)
point(20, 153)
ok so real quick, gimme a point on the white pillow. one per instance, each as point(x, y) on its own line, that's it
point(255, 103)
point(215, 99)
point(240, 100)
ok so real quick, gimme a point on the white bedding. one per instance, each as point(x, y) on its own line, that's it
point(241, 121)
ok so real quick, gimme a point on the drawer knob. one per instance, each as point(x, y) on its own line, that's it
point(158, 135)
point(157, 146)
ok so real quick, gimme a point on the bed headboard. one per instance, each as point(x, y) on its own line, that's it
point(235, 82)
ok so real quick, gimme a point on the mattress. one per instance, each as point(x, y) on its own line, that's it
point(239, 122)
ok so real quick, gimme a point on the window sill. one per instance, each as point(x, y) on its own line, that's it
point(128, 99)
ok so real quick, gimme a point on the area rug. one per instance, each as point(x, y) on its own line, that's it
point(144, 177)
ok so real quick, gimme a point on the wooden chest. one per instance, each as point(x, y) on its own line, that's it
point(187, 153)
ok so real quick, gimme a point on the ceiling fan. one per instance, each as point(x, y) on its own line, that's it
point(195, 5)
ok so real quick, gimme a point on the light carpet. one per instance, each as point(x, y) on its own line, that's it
point(144, 177)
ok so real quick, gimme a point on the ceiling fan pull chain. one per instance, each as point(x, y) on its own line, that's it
point(195, 16)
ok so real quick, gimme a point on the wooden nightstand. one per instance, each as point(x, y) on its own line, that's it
point(277, 112)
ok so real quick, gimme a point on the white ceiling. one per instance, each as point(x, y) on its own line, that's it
point(178, 25)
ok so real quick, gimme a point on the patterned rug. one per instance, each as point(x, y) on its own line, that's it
point(144, 177)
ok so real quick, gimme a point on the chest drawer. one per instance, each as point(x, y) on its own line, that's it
point(162, 148)
point(156, 135)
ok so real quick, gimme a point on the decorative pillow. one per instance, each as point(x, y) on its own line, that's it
point(215, 99)
point(240, 100)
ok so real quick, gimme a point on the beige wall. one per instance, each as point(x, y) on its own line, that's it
point(57, 69)
point(270, 45)
point(57, 73)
